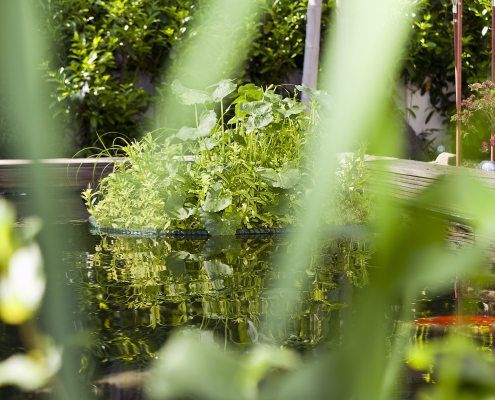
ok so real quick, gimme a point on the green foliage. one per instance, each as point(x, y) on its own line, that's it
point(279, 47)
point(251, 172)
point(101, 53)
point(429, 57)
point(351, 203)
point(479, 106)
point(108, 56)
point(9, 148)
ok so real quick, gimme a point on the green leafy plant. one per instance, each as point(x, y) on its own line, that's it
point(482, 101)
point(249, 171)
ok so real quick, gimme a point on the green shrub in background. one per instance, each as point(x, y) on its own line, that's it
point(108, 57)
point(8, 145)
point(429, 56)
point(279, 48)
point(103, 55)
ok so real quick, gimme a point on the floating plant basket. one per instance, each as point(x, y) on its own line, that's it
point(96, 229)
point(198, 234)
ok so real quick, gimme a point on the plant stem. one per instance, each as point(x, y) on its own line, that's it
point(221, 116)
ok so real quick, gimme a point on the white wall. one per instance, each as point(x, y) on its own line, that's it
point(411, 97)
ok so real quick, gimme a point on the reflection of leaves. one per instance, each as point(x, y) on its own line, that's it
point(220, 244)
point(221, 224)
point(223, 89)
point(280, 206)
point(217, 199)
point(175, 264)
point(288, 176)
point(216, 269)
point(189, 96)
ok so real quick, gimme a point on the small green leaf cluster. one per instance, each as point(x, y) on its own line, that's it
point(351, 202)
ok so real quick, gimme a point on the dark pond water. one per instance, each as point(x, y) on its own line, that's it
point(128, 294)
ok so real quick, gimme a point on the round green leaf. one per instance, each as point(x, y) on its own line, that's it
point(223, 89)
point(216, 199)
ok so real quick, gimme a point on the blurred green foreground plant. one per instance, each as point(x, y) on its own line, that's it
point(251, 171)
point(22, 285)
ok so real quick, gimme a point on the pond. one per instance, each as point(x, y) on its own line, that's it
point(130, 294)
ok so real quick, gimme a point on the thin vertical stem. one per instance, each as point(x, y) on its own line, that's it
point(492, 155)
point(221, 117)
point(457, 14)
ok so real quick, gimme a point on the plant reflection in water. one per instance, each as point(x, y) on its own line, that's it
point(135, 291)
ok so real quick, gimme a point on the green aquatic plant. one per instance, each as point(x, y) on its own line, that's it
point(247, 167)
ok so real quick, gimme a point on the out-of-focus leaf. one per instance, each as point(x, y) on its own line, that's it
point(189, 96)
point(32, 370)
point(216, 375)
point(186, 367)
point(23, 286)
point(459, 367)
